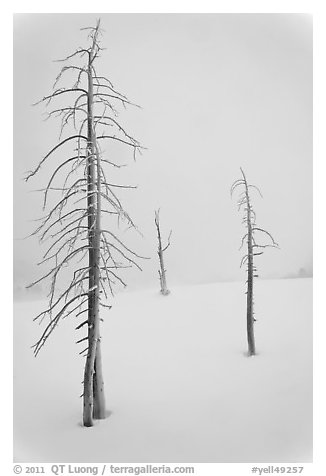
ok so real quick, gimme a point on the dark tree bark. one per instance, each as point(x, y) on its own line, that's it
point(160, 251)
point(77, 230)
point(253, 249)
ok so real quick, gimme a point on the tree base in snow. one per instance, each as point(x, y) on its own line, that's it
point(165, 292)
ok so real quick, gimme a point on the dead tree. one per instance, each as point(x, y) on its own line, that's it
point(253, 249)
point(160, 251)
point(92, 252)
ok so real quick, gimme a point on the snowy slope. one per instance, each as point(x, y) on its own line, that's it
point(178, 383)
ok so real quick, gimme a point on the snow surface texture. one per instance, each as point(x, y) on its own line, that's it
point(178, 383)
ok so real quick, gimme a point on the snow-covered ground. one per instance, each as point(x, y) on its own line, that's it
point(178, 383)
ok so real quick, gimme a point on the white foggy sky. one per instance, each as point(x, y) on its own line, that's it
point(218, 91)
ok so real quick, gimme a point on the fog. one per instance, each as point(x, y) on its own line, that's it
point(218, 92)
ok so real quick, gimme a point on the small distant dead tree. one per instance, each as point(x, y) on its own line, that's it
point(74, 221)
point(161, 249)
point(253, 249)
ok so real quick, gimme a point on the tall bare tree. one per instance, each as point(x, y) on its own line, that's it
point(253, 249)
point(160, 251)
point(73, 222)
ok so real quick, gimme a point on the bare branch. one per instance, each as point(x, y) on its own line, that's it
point(50, 327)
point(58, 93)
point(255, 228)
point(83, 323)
point(80, 51)
point(30, 174)
point(122, 244)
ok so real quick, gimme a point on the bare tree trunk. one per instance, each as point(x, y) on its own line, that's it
point(250, 315)
point(254, 248)
point(162, 270)
point(93, 372)
point(250, 274)
point(99, 411)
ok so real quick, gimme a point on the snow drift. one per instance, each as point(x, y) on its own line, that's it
point(179, 386)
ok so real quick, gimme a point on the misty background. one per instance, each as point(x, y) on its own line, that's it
point(218, 92)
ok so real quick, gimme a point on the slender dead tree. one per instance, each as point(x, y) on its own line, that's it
point(160, 251)
point(253, 249)
point(80, 243)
